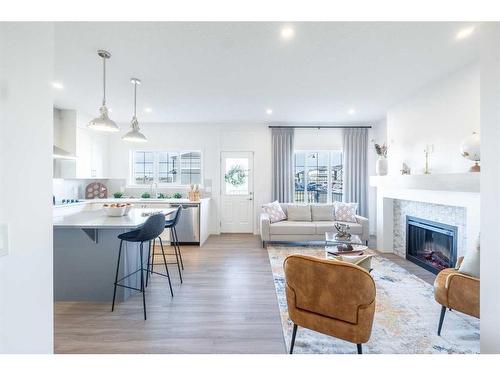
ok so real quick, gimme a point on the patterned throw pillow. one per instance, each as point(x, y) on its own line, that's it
point(274, 211)
point(346, 212)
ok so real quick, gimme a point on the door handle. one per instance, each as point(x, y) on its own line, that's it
point(249, 199)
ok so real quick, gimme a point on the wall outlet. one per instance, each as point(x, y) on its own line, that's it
point(4, 239)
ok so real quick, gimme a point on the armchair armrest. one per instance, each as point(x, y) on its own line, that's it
point(365, 236)
point(264, 223)
point(463, 293)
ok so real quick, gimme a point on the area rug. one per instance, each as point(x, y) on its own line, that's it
point(406, 314)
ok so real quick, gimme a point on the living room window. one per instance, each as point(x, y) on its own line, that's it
point(318, 176)
point(176, 168)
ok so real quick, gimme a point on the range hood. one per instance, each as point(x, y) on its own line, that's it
point(59, 153)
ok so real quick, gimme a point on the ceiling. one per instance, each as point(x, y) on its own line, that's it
point(233, 72)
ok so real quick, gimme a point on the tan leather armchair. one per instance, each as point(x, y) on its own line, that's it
point(456, 291)
point(329, 296)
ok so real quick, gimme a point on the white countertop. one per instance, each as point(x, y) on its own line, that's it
point(98, 219)
point(139, 200)
point(130, 200)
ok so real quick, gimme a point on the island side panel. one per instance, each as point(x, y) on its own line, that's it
point(85, 271)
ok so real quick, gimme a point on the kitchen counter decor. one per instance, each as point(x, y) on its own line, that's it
point(96, 190)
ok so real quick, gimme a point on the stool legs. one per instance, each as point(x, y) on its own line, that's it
point(153, 256)
point(143, 291)
point(116, 275)
point(166, 267)
point(176, 243)
point(149, 257)
point(176, 255)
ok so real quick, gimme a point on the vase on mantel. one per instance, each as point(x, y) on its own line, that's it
point(381, 166)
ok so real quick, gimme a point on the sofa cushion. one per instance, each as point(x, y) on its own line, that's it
point(293, 227)
point(274, 211)
point(299, 212)
point(323, 212)
point(345, 211)
point(327, 226)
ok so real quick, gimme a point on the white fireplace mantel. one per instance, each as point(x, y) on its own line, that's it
point(458, 189)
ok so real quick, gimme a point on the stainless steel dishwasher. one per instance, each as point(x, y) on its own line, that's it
point(188, 227)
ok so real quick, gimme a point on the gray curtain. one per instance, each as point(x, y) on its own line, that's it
point(282, 159)
point(355, 169)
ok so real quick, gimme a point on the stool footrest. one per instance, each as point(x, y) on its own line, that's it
point(130, 274)
point(158, 273)
point(128, 287)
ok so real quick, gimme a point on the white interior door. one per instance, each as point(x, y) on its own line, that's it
point(237, 192)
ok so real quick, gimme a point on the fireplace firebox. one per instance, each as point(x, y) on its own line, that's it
point(430, 244)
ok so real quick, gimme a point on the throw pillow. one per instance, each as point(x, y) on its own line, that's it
point(346, 212)
point(323, 212)
point(274, 211)
point(299, 212)
point(470, 264)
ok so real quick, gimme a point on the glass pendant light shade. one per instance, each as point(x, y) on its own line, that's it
point(135, 135)
point(103, 122)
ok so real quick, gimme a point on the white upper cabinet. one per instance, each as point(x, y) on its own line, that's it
point(91, 151)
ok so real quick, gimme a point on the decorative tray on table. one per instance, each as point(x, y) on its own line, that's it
point(346, 249)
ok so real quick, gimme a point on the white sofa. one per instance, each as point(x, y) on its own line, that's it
point(300, 231)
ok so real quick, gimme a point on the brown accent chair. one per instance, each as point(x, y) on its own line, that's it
point(330, 296)
point(456, 291)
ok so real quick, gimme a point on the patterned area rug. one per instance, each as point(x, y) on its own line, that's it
point(406, 314)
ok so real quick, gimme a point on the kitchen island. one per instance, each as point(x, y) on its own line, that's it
point(194, 225)
point(86, 252)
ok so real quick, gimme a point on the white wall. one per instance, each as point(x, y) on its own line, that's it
point(211, 139)
point(442, 114)
point(26, 301)
point(377, 134)
point(490, 188)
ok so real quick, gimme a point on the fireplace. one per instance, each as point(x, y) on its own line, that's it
point(430, 244)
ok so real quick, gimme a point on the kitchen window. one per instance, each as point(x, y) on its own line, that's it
point(174, 168)
point(318, 176)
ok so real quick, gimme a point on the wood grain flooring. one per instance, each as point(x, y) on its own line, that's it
point(227, 304)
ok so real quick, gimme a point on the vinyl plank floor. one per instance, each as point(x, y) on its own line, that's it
point(227, 304)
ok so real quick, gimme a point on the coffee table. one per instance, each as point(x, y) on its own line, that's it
point(331, 243)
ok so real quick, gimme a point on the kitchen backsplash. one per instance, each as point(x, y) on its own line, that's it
point(75, 188)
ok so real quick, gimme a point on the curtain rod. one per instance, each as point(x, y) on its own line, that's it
point(322, 127)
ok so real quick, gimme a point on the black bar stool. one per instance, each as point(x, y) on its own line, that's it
point(151, 229)
point(169, 224)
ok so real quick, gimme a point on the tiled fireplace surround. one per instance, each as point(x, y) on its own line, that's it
point(451, 215)
point(449, 199)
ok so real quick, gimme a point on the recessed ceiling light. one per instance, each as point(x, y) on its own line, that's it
point(287, 32)
point(269, 111)
point(465, 33)
point(352, 111)
point(57, 85)
point(148, 110)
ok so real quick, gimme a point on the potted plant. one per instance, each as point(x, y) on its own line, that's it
point(118, 194)
point(145, 195)
point(177, 195)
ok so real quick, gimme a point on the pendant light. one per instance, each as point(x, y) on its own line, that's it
point(135, 135)
point(103, 122)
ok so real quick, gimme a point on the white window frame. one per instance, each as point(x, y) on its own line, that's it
point(329, 199)
point(156, 165)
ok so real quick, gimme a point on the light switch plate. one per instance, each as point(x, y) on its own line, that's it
point(4, 239)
